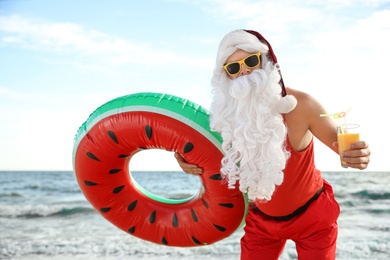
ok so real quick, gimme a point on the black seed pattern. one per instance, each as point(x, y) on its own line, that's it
point(118, 189)
point(164, 241)
point(194, 216)
point(132, 205)
point(113, 171)
point(216, 177)
point(188, 147)
point(131, 230)
point(220, 228)
point(148, 131)
point(92, 156)
point(205, 203)
point(196, 241)
point(175, 221)
point(112, 135)
point(90, 183)
point(227, 205)
point(152, 217)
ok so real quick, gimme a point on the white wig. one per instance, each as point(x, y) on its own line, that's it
point(247, 113)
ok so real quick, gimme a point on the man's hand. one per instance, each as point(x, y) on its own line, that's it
point(358, 156)
point(186, 167)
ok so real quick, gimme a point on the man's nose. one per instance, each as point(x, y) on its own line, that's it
point(244, 70)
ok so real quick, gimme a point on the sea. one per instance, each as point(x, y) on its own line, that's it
point(44, 215)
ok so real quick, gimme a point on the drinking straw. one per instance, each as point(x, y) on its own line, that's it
point(338, 117)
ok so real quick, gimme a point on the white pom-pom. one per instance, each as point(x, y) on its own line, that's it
point(286, 104)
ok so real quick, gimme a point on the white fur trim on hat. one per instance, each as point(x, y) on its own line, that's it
point(286, 104)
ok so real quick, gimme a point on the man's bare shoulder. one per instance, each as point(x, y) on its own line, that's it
point(304, 99)
point(307, 106)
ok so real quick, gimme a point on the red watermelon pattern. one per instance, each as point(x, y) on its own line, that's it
point(105, 144)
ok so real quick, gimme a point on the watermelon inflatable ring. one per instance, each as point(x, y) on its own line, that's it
point(114, 132)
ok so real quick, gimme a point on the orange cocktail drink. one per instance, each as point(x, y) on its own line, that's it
point(346, 135)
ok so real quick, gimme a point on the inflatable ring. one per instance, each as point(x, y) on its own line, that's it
point(116, 131)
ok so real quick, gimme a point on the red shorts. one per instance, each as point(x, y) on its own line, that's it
point(313, 231)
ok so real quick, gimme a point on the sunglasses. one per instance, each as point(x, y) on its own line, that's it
point(250, 61)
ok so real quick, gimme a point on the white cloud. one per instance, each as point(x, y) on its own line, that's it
point(275, 15)
point(376, 2)
point(376, 30)
point(92, 49)
point(369, 34)
point(17, 96)
point(288, 20)
point(68, 38)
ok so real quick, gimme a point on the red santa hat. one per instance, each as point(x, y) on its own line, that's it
point(271, 56)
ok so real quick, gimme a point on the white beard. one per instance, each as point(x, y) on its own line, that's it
point(246, 111)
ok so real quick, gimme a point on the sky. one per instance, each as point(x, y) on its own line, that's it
point(60, 60)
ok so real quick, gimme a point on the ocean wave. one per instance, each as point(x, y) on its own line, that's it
point(65, 189)
point(10, 194)
point(42, 211)
point(384, 211)
point(372, 194)
point(71, 211)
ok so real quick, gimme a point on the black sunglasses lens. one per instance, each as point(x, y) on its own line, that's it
point(252, 61)
point(233, 68)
